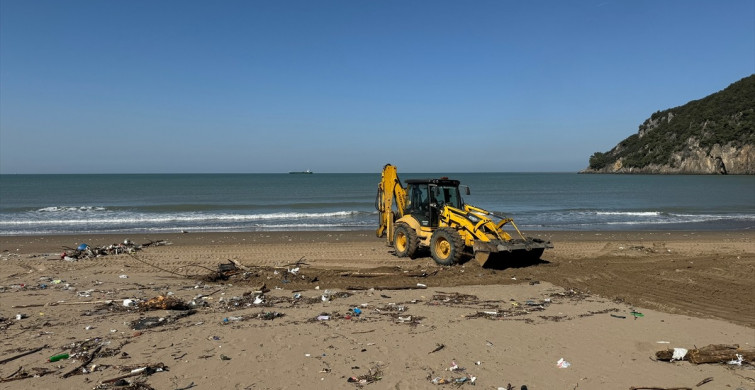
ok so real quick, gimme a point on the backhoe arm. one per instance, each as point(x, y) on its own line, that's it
point(389, 191)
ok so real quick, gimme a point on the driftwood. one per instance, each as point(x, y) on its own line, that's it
point(12, 358)
point(58, 303)
point(239, 265)
point(357, 274)
point(23, 374)
point(361, 288)
point(713, 353)
point(704, 381)
point(366, 275)
point(660, 388)
point(144, 370)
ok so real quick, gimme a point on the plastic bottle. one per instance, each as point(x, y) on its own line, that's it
point(62, 356)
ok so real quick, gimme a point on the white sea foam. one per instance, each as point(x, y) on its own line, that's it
point(127, 218)
point(58, 209)
point(631, 213)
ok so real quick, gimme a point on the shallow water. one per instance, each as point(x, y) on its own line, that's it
point(64, 204)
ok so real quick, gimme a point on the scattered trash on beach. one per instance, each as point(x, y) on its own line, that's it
point(162, 302)
point(636, 314)
point(269, 315)
point(86, 251)
point(152, 322)
point(373, 375)
point(458, 381)
point(141, 371)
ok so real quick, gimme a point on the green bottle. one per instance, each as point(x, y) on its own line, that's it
point(55, 358)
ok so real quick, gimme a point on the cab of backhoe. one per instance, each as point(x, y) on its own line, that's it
point(426, 198)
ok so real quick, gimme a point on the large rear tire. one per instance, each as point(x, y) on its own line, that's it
point(446, 246)
point(405, 240)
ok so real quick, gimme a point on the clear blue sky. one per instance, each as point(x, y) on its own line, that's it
point(347, 86)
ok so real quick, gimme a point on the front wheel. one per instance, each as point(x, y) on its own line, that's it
point(446, 246)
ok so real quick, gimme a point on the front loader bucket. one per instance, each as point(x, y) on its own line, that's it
point(503, 253)
point(481, 257)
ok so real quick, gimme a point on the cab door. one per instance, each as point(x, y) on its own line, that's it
point(418, 205)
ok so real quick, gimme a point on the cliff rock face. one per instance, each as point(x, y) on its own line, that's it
point(695, 161)
point(713, 135)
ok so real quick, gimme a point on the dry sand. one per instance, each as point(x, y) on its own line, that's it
point(693, 289)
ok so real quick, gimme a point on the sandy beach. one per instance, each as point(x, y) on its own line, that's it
point(336, 310)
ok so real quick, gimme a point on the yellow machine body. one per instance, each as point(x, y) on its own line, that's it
point(430, 213)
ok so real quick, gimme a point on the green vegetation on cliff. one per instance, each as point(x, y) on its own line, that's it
point(726, 117)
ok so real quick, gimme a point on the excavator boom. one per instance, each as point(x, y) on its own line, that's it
point(389, 191)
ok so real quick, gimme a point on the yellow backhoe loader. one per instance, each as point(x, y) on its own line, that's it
point(430, 213)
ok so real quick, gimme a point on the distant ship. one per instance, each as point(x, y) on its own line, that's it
point(307, 172)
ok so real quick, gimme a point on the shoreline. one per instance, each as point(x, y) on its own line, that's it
point(34, 243)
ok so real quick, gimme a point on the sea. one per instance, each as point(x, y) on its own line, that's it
point(170, 203)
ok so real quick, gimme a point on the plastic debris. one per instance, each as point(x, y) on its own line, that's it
point(455, 367)
point(269, 315)
point(62, 356)
point(230, 319)
point(456, 381)
point(562, 363)
point(737, 362)
point(679, 354)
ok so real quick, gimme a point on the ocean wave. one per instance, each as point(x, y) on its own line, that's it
point(58, 209)
point(126, 218)
point(631, 213)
